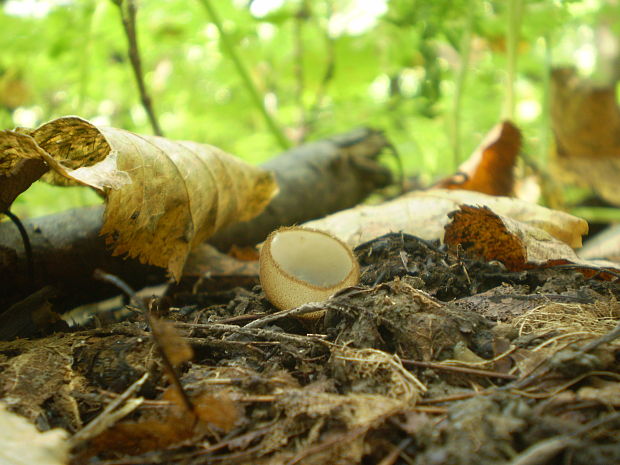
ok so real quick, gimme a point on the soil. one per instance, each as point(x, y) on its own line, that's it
point(432, 359)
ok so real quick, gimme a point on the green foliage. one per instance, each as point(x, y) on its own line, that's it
point(318, 75)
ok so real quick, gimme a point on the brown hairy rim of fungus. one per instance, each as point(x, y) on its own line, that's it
point(301, 265)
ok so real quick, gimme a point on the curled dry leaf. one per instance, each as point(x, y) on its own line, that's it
point(163, 197)
point(490, 169)
point(17, 173)
point(485, 235)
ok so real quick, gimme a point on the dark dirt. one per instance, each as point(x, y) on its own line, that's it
point(431, 359)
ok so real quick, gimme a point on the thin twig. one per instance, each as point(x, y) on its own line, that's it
point(244, 438)
point(515, 15)
point(302, 310)
point(300, 18)
point(461, 78)
point(345, 438)
point(27, 246)
point(245, 75)
point(128, 12)
point(579, 267)
point(253, 332)
point(122, 285)
point(108, 417)
point(328, 75)
point(563, 387)
point(452, 398)
point(607, 338)
point(457, 369)
point(391, 458)
point(174, 379)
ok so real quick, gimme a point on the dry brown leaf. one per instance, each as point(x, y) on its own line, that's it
point(490, 168)
point(134, 438)
point(217, 409)
point(485, 235)
point(586, 123)
point(163, 197)
point(170, 342)
point(14, 90)
point(17, 173)
point(424, 214)
point(168, 425)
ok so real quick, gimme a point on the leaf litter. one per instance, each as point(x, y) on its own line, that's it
point(406, 367)
point(477, 350)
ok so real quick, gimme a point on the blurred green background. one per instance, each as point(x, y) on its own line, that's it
point(434, 75)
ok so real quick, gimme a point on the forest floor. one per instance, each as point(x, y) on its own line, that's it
point(431, 359)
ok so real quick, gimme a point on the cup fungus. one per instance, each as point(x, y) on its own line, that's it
point(300, 265)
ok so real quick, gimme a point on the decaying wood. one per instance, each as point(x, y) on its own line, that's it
point(314, 179)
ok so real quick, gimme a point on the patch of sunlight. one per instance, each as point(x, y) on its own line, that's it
point(32, 8)
point(356, 17)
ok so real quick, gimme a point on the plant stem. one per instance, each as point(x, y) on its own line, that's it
point(128, 11)
point(27, 246)
point(328, 75)
point(455, 123)
point(85, 52)
point(245, 75)
point(515, 10)
point(300, 19)
point(545, 123)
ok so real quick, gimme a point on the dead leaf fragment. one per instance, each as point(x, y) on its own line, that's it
point(168, 425)
point(163, 197)
point(482, 234)
point(22, 444)
point(490, 168)
point(170, 342)
point(586, 123)
point(485, 235)
point(217, 409)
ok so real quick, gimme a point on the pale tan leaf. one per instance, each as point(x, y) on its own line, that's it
point(424, 214)
point(163, 197)
point(22, 444)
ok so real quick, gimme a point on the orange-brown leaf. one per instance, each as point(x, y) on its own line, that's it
point(137, 438)
point(490, 169)
point(174, 346)
point(487, 236)
point(483, 235)
point(216, 409)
